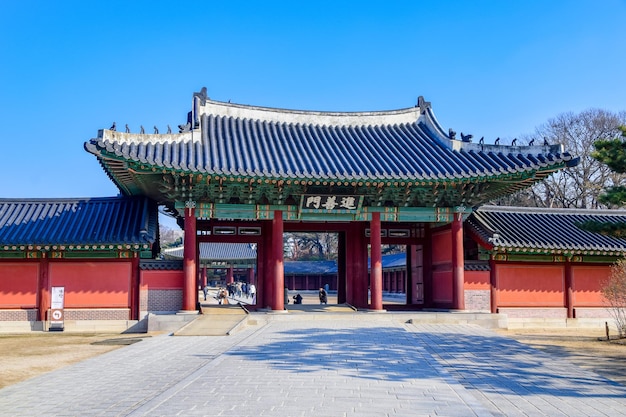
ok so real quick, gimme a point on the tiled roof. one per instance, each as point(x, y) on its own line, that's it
point(78, 221)
point(218, 252)
point(248, 141)
point(476, 265)
point(545, 230)
point(396, 260)
point(310, 267)
point(161, 265)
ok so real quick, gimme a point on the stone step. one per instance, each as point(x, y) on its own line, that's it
point(214, 320)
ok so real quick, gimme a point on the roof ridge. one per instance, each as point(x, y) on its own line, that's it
point(307, 117)
point(548, 210)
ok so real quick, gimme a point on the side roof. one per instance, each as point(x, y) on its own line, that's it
point(78, 221)
point(542, 230)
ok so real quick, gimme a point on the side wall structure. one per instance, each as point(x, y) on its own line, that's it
point(161, 291)
point(539, 290)
point(95, 290)
point(477, 290)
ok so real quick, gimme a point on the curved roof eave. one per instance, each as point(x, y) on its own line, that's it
point(544, 230)
point(321, 146)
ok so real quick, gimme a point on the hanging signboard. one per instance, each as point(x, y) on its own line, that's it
point(319, 204)
point(56, 309)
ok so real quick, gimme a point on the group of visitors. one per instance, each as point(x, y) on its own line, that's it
point(234, 290)
point(239, 289)
point(297, 299)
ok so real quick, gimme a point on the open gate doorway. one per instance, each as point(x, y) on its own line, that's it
point(311, 261)
point(227, 273)
point(351, 283)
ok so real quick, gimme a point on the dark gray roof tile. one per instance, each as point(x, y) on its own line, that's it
point(551, 230)
point(78, 221)
point(217, 252)
point(405, 144)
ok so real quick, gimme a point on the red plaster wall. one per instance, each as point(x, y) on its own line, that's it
point(442, 286)
point(90, 284)
point(162, 280)
point(442, 247)
point(527, 285)
point(18, 284)
point(477, 280)
point(586, 283)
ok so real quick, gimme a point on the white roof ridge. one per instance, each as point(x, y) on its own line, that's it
point(310, 117)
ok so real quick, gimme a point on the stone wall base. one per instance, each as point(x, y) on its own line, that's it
point(478, 300)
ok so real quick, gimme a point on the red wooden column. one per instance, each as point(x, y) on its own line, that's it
point(230, 275)
point(251, 276)
point(135, 299)
point(376, 283)
point(458, 264)
point(569, 290)
point(265, 283)
point(341, 269)
point(360, 276)
point(427, 270)
point(278, 270)
point(44, 288)
point(350, 265)
point(190, 290)
point(494, 286)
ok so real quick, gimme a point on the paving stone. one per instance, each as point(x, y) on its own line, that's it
point(341, 367)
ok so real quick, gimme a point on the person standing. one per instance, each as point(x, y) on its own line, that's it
point(323, 296)
point(252, 291)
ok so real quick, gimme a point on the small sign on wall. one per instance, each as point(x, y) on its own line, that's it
point(56, 309)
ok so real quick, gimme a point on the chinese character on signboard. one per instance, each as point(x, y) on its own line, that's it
point(329, 202)
point(312, 202)
point(348, 203)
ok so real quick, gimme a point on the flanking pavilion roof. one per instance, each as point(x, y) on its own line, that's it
point(545, 231)
point(71, 224)
point(310, 267)
point(256, 155)
point(214, 252)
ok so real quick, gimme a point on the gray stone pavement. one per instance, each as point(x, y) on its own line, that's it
point(372, 366)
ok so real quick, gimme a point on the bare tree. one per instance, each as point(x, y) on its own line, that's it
point(579, 186)
point(311, 246)
point(614, 293)
point(170, 237)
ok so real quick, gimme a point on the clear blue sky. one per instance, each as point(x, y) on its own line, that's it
point(489, 68)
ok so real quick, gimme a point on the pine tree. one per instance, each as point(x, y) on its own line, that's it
point(611, 152)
